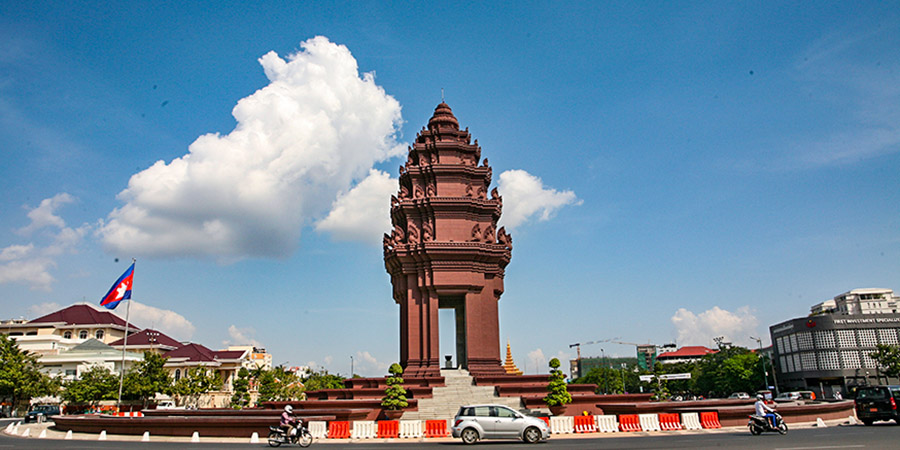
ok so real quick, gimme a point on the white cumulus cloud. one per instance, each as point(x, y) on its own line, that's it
point(363, 213)
point(31, 263)
point(45, 214)
point(537, 360)
point(169, 322)
point(317, 127)
point(241, 336)
point(366, 364)
point(524, 197)
point(42, 309)
point(700, 329)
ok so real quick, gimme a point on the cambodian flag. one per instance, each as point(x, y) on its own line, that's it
point(120, 290)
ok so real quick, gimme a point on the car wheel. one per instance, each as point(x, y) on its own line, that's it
point(868, 422)
point(469, 436)
point(531, 435)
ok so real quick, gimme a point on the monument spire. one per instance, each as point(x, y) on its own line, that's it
point(445, 250)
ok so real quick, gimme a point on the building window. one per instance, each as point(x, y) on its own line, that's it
point(31, 333)
point(792, 343)
point(70, 372)
point(779, 344)
point(887, 336)
point(82, 334)
point(67, 335)
point(177, 374)
point(867, 361)
point(867, 338)
point(808, 360)
point(797, 366)
point(824, 340)
point(829, 361)
point(805, 342)
point(784, 367)
point(846, 339)
point(851, 359)
point(99, 335)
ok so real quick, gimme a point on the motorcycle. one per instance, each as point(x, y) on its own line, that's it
point(760, 424)
point(300, 435)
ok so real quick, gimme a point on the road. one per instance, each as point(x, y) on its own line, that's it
point(880, 436)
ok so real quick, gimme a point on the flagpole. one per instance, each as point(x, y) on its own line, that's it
point(124, 346)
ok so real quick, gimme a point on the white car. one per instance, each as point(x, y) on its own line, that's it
point(740, 395)
point(788, 397)
point(476, 422)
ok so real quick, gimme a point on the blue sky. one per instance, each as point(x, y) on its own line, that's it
point(670, 171)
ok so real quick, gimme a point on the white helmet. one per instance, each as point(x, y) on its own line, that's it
point(289, 409)
point(759, 396)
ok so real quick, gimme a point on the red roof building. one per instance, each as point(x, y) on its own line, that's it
point(685, 354)
point(148, 340)
point(64, 329)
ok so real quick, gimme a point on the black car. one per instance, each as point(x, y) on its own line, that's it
point(877, 403)
point(42, 410)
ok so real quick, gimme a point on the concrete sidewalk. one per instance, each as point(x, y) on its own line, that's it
point(34, 431)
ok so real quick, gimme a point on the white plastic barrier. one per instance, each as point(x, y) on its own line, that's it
point(607, 424)
point(411, 428)
point(691, 421)
point(318, 429)
point(649, 422)
point(363, 429)
point(562, 424)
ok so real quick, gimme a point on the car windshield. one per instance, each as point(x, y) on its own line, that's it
point(872, 393)
point(42, 408)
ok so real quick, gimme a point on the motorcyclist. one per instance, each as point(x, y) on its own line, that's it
point(763, 410)
point(288, 421)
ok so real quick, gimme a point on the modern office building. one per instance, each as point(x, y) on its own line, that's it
point(829, 350)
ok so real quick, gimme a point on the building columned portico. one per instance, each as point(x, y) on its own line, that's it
point(446, 251)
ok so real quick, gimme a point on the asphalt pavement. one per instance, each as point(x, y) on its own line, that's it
point(836, 435)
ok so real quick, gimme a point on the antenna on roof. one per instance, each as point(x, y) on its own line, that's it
point(442, 95)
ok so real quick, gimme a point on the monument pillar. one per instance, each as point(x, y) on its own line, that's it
point(446, 251)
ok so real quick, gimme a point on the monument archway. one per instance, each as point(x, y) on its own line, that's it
point(446, 251)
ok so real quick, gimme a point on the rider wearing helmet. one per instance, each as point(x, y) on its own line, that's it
point(764, 410)
point(288, 421)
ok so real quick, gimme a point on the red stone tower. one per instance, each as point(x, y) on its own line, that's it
point(445, 250)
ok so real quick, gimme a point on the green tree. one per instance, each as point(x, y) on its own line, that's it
point(196, 382)
point(241, 388)
point(557, 392)
point(608, 381)
point(20, 375)
point(314, 381)
point(733, 369)
point(394, 395)
point(148, 378)
point(888, 358)
point(94, 385)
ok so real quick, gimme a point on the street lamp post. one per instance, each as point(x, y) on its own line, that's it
point(765, 372)
point(351, 366)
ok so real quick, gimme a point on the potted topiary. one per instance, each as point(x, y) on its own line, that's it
point(557, 394)
point(394, 399)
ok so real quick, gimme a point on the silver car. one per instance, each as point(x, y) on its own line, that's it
point(475, 422)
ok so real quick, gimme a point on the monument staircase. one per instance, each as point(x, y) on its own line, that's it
point(459, 389)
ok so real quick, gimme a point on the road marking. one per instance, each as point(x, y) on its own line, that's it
point(820, 447)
